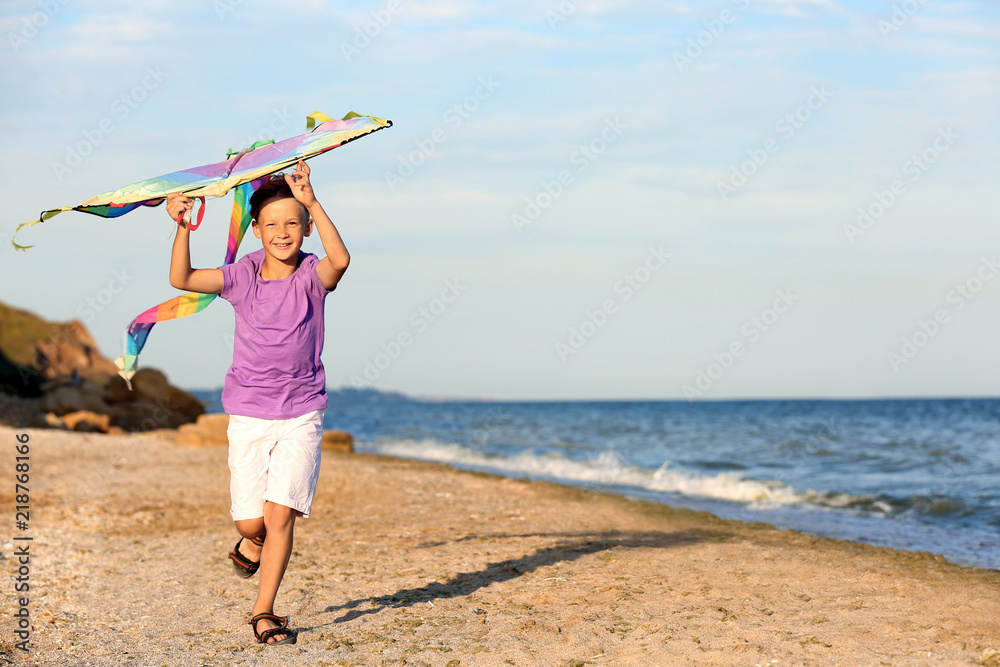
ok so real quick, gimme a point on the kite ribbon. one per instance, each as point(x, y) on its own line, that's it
point(192, 302)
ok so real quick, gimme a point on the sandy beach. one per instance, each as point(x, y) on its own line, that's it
point(421, 564)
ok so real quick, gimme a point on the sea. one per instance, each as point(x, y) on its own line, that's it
point(918, 475)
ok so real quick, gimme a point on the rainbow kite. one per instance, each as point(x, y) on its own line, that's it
point(246, 171)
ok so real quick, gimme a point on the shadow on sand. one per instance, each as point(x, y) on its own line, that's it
point(569, 548)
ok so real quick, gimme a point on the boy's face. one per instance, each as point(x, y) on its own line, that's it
point(281, 226)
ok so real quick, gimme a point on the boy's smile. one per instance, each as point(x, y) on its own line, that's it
point(281, 227)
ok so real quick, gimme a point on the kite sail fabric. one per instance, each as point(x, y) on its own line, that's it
point(191, 302)
point(215, 180)
point(244, 170)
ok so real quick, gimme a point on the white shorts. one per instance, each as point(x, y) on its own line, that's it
point(273, 459)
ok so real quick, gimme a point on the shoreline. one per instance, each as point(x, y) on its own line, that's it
point(423, 562)
point(633, 495)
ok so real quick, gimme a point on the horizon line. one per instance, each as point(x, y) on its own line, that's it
point(772, 399)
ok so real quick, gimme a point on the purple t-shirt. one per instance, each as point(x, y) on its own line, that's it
point(276, 371)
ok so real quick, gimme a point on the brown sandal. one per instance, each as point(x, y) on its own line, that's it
point(245, 568)
point(282, 629)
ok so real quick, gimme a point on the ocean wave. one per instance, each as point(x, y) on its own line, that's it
point(608, 469)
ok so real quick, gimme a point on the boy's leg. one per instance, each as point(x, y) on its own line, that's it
point(249, 529)
point(279, 522)
point(292, 473)
point(248, 437)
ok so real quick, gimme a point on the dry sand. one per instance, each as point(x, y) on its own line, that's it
point(421, 564)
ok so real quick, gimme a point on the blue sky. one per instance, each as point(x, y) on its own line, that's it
point(577, 200)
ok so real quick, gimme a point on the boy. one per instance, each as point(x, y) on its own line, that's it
point(275, 390)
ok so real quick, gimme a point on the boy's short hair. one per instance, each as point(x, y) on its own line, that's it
point(274, 188)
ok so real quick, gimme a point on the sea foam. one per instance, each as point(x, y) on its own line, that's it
point(609, 470)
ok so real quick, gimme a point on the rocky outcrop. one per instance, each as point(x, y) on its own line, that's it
point(18, 380)
point(61, 399)
point(71, 351)
point(50, 372)
point(49, 350)
point(89, 422)
point(208, 431)
point(338, 441)
point(153, 402)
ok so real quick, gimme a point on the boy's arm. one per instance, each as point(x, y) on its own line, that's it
point(182, 276)
point(332, 267)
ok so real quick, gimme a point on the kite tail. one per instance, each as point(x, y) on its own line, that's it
point(102, 210)
point(51, 213)
point(191, 302)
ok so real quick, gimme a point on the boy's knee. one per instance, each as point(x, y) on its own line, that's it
point(279, 514)
point(250, 528)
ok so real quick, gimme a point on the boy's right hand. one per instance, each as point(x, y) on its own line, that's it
point(179, 208)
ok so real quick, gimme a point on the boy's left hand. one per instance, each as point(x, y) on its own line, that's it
point(298, 181)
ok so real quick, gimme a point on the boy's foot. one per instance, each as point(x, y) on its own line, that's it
point(271, 629)
point(246, 556)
